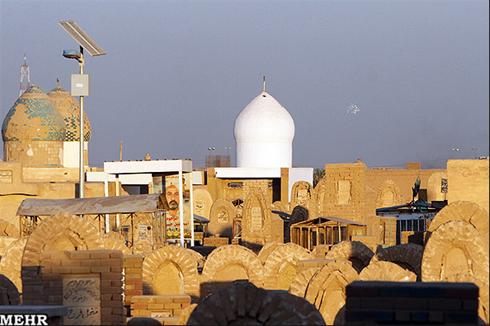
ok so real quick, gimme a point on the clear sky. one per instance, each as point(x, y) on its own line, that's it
point(177, 73)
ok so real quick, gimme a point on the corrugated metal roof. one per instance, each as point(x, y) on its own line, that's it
point(200, 219)
point(325, 219)
point(343, 220)
point(93, 206)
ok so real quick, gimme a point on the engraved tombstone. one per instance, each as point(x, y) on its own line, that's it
point(221, 220)
point(202, 201)
point(256, 220)
point(343, 192)
point(81, 294)
point(301, 194)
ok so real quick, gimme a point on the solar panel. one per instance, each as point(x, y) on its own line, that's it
point(81, 37)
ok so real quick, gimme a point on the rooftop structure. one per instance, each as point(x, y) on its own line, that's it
point(264, 132)
point(33, 130)
point(69, 109)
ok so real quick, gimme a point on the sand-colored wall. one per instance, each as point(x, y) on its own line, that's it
point(343, 192)
point(389, 187)
point(18, 183)
point(354, 191)
point(34, 153)
point(232, 189)
point(32, 174)
point(468, 181)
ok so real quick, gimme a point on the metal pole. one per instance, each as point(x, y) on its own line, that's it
point(191, 199)
point(81, 166)
point(120, 151)
point(118, 216)
point(181, 208)
point(107, 222)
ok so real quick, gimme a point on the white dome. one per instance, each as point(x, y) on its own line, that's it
point(264, 133)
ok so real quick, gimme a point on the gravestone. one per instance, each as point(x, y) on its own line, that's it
point(202, 202)
point(81, 295)
point(301, 194)
point(388, 194)
point(256, 220)
point(221, 219)
point(343, 192)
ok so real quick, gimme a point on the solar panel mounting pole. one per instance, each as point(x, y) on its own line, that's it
point(80, 83)
point(82, 140)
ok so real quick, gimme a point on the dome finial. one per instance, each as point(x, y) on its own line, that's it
point(263, 83)
point(58, 85)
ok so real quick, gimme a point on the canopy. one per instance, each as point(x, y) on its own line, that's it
point(93, 206)
point(200, 219)
point(325, 219)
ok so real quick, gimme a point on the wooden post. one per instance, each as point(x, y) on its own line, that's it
point(132, 233)
point(340, 232)
point(309, 238)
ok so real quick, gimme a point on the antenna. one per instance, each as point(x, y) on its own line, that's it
point(25, 77)
point(120, 151)
point(263, 83)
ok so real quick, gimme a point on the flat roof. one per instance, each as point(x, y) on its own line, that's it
point(153, 166)
point(244, 173)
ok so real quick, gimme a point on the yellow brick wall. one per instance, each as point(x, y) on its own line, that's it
point(468, 181)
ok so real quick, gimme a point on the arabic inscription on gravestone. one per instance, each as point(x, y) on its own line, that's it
point(81, 294)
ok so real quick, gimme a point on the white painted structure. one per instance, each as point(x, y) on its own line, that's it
point(153, 166)
point(247, 173)
point(141, 173)
point(71, 153)
point(264, 133)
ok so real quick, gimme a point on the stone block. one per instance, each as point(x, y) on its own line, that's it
point(353, 303)
point(470, 305)
point(411, 303)
point(100, 269)
point(140, 313)
point(419, 316)
point(80, 270)
point(445, 304)
point(377, 303)
point(139, 305)
point(172, 305)
point(100, 254)
point(182, 299)
point(403, 316)
point(116, 254)
point(156, 306)
point(436, 316)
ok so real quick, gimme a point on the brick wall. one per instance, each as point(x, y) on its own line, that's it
point(93, 275)
point(133, 277)
point(468, 181)
point(215, 241)
point(167, 309)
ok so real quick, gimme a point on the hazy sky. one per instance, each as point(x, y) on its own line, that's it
point(177, 73)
